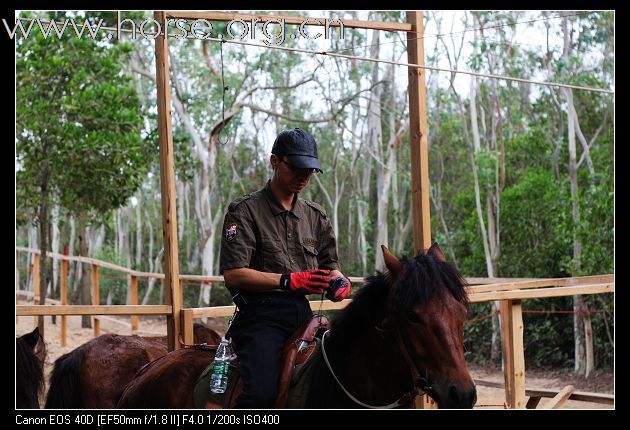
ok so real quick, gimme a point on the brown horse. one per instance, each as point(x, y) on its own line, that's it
point(30, 353)
point(402, 335)
point(95, 374)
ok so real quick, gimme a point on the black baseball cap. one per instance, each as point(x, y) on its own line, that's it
point(299, 147)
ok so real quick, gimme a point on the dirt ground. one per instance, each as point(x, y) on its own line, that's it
point(487, 397)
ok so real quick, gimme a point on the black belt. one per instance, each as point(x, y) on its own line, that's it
point(242, 299)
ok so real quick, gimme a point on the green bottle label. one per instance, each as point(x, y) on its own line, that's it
point(220, 368)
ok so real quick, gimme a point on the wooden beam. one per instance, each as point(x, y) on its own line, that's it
point(561, 397)
point(93, 310)
point(418, 133)
point(536, 283)
point(581, 396)
point(167, 182)
point(513, 353)
point(537, 293)
point(296, 20)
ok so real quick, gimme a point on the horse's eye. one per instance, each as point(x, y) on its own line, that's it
point(414, 318)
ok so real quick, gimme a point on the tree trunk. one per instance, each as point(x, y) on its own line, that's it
point(56, 245)
point(138, 254)
point(86, 320)
point(581, 319)
point(150, 281)
point(43, 235)
point(374, 138)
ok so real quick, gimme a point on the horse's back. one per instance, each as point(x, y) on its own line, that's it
point(94, 374)
point(111, 363)
point(167, 382)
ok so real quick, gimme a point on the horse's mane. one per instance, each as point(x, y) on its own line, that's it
point(420, 279)
point(29, 369)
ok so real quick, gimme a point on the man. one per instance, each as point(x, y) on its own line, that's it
point(277, 247)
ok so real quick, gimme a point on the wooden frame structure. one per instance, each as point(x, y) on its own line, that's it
point(417, 122)
point(418, 141)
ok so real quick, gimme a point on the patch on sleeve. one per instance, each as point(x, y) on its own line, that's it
point(230, 232)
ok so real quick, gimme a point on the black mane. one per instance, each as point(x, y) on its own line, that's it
point(420, 279)
point(29, 369)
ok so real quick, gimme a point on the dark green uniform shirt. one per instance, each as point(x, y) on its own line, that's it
point(259, 233)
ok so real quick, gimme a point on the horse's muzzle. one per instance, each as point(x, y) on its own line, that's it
point(455, 397)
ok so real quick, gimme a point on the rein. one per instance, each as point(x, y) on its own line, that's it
point(405, 399)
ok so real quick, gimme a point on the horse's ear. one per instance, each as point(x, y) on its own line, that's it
point(32, 338)
point(437, 252)
point(392, 262)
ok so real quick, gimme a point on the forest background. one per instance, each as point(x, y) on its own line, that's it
point(522, 175)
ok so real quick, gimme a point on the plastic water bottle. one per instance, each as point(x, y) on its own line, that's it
point(219, 377)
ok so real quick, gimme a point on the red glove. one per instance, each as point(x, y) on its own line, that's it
point(308, 282)
point(339, 289)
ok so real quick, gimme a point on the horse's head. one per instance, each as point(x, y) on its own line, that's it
point(30, 353)
point(427, 307)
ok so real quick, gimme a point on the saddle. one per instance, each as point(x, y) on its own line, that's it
point(297, 350)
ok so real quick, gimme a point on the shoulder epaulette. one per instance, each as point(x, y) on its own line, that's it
point(317, 207)
point(238, 201)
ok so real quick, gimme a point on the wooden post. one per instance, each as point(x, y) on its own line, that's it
point(174, 295)
point(513, 353)
point(134, 301)
point(96, 299)
point(35, 278)
point(63, 297)
point(419, 146)
point(418, 133)
point(187, 326)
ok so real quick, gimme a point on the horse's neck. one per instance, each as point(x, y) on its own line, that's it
point(370, 369)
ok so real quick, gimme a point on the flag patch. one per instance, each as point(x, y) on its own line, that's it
point(230, 232)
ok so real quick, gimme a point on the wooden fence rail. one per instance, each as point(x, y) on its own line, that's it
point(510, 292)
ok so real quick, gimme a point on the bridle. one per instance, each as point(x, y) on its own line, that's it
point(420, 384)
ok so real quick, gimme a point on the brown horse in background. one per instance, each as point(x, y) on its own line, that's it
point(95, 374)
point(30, 354)
point(402, 335)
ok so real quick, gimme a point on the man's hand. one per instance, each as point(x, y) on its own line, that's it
point(308, 282)
point(339, 289)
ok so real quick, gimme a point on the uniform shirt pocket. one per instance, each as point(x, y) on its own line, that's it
point(273, 256)
point(310, 255)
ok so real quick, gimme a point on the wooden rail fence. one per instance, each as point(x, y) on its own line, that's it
point(510, 293)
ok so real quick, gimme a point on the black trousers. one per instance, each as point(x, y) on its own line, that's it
point(259, 333)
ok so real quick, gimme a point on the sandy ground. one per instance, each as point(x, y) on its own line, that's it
point(487, 397)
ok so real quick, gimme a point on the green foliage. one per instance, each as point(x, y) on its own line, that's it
point(477, 343)
point(79, 121)
point(548, 337)
point(534, 234)
point(112, 283)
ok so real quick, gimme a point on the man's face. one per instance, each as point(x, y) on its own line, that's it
point(292, 178)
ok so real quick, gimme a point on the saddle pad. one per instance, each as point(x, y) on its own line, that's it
point(301, 379)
